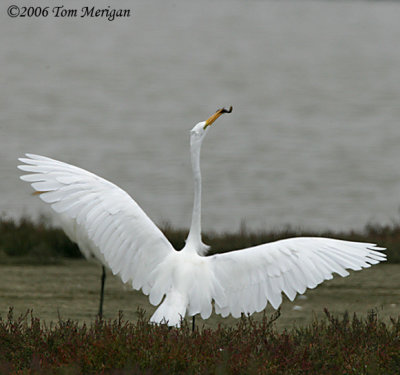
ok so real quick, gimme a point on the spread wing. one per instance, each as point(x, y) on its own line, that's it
point(101, 218)
point(245, 280)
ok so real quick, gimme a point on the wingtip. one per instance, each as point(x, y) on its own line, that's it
point(374, 247)
point(26, 158)
point(26, 155)
point(31, 156)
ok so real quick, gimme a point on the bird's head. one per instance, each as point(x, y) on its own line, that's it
point(200, 129)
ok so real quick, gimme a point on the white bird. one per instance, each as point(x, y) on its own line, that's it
point(106, 222)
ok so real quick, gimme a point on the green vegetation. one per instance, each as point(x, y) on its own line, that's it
point(33, 242)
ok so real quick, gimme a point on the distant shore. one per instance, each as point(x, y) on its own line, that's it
point(40, 242)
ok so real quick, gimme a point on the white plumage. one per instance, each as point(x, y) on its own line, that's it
point(109, 225)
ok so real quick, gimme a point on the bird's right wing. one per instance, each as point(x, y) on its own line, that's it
point(101, 218)
point(245, 280)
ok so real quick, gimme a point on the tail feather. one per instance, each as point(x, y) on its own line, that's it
point(171, 311)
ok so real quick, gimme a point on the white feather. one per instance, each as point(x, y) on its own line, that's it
point(109, 225)
point(99, 205)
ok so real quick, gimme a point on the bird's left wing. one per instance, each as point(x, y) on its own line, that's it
point(245, 280)
point(101, 218)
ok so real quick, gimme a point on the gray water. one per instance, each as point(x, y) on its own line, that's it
point(313, 140)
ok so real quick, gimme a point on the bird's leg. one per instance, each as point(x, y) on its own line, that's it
point(193, 323)
point(103, 279)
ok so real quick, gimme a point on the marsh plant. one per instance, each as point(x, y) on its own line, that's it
point(333, 345)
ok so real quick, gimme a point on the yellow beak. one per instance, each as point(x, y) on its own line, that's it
point(211, 119)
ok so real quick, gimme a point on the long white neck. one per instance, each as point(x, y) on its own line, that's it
point(193, 240)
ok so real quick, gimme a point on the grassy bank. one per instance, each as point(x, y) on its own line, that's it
point(346, 345)
point(41, 243)
point(70, 290)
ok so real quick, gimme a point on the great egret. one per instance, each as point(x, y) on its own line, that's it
point(105, 220)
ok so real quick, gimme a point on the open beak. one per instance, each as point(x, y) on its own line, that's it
point(210, 120)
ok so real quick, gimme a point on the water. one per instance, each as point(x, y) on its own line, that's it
point(315, 85)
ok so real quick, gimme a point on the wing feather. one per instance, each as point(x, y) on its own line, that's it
point(101, 218)
point(255, 276)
